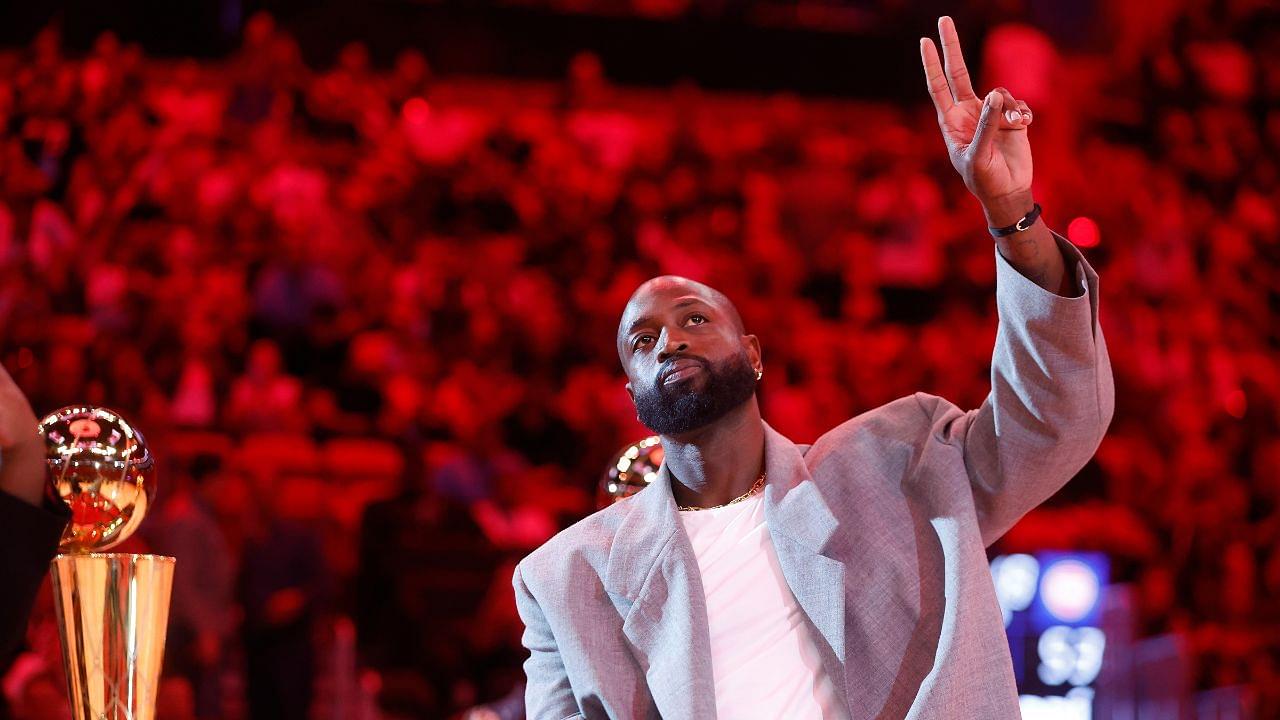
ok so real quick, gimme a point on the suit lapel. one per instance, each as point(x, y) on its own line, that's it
point(861, 609)
point(652, 565)
point(801, 525)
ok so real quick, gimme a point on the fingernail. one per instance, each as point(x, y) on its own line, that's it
point(1011, 116)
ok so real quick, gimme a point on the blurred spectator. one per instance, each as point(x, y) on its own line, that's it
point(425, 567)
point(175, 699)
point(200, 610)
point(44, 697)
point(282, 581)
point(265, 398)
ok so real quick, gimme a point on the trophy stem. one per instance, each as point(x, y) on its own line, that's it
point(113, 610)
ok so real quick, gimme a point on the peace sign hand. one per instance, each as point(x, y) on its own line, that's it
point(986, 138)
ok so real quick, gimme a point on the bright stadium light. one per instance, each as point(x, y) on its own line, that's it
point(1057, 656)
point(1015, 578)
point(1077, 705)
point(1090, 642)
point(1069, 589)
point(1070, 655)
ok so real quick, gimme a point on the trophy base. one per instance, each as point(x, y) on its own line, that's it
point(113, 610)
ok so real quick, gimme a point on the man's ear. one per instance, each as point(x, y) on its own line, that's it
point(630, 392)
point(752, 344)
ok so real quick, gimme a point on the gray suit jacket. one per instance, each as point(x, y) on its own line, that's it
point(880, 527)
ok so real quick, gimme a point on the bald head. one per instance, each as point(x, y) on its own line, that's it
point(687, 356)
point(678, 293)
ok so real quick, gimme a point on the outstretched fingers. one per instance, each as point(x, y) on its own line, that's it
point(957, 72)
point(939, 90)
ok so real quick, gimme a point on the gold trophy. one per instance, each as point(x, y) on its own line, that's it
point(113, 608)
point(634, 467)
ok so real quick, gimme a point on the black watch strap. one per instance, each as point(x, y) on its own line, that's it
point(1027, 221)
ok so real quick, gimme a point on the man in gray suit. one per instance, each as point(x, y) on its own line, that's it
point(756, 578)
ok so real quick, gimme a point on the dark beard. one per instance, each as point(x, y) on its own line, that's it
point(679, 409)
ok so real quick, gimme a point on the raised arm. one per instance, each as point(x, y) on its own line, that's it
point(987, 141)
point(1052, 394)
point(1052, 397)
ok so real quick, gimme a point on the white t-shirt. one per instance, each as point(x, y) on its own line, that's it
point(763, 657)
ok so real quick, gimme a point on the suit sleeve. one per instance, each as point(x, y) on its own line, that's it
point(1052, 396)
point(547, 694)
point(28, 541)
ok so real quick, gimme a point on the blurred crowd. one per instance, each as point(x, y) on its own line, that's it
point(826, 15)
point(365, 317)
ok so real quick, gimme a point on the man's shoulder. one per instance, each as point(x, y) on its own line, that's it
point(871, 467)
point(587, 541)
point(906, 420)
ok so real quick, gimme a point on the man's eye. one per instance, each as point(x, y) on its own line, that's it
point(697, 319)
point(643, 339)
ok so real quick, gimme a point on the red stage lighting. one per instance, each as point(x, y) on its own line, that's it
point(1084, 232)
point(416, 110)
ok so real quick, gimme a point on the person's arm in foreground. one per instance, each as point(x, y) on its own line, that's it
point(548, 695)
point(1052, 393)
point(29, 533)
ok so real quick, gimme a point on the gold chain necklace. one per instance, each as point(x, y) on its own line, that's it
point(755, 488)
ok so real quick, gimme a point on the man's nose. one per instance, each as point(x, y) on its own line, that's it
point(670, 343)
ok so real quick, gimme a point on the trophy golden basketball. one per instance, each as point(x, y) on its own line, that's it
point(633, 468)
point(113, 608)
